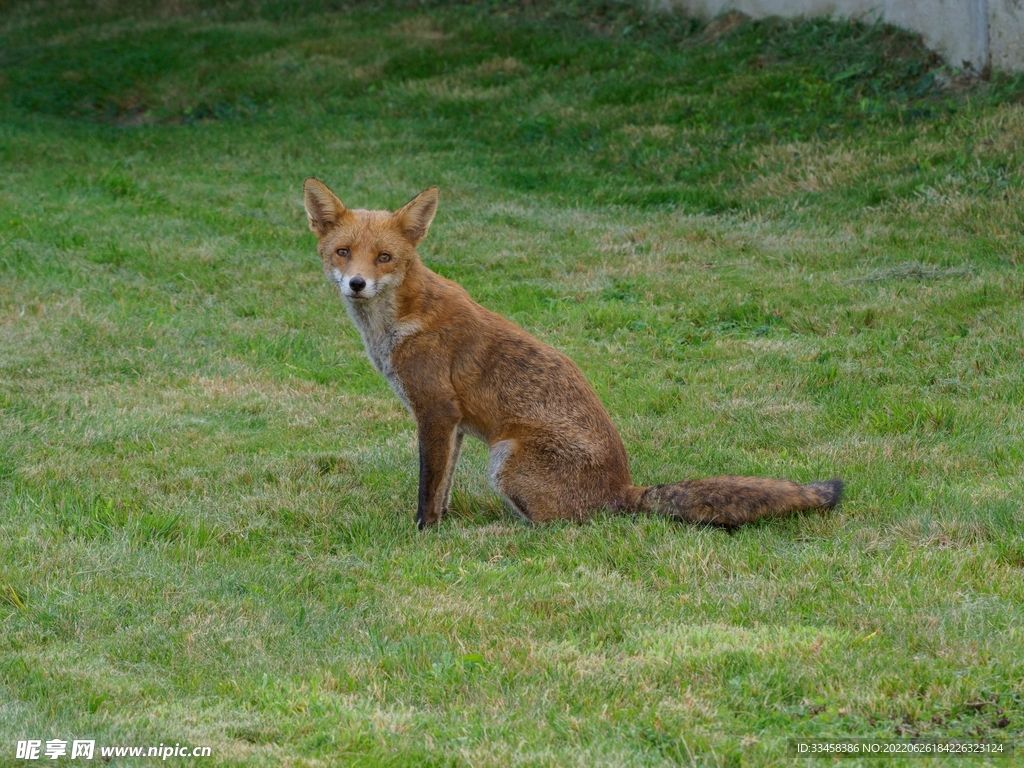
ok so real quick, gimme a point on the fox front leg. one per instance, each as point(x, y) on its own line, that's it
point(439, 441)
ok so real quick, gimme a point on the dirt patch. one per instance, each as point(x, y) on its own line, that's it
point(723, 25)
point(420, 29)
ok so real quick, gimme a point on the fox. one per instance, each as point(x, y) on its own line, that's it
point(460, 369)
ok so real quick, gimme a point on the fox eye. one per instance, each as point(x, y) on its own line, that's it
point(344, 253)
point(384, 258)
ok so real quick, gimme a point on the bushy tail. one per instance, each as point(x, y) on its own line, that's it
point(732, 500)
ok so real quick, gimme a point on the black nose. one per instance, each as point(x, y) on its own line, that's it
point(357, 284)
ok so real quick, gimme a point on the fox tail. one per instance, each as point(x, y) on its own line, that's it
point(732, 500)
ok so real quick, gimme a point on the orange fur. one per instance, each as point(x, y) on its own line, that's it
point(461, 369)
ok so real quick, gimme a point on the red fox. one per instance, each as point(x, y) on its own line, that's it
point(463, 370)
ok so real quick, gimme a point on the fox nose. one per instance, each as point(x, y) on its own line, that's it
point(357, 284)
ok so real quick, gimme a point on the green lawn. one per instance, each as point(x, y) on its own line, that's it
point(775, 248)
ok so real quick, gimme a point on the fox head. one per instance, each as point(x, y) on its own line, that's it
point(366, 253)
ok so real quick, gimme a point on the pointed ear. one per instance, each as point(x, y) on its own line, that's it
point(415, 216)
point(322, 207)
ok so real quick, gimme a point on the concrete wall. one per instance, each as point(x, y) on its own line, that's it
point(1006, 34)
point(970, 34)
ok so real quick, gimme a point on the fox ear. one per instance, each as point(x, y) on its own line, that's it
point(322, 207)
point(415, 216)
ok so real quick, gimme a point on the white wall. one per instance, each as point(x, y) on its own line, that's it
point(970, 34)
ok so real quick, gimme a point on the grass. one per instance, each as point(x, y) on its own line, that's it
point(777, 248)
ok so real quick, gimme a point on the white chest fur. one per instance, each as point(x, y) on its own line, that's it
point(381, 330)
